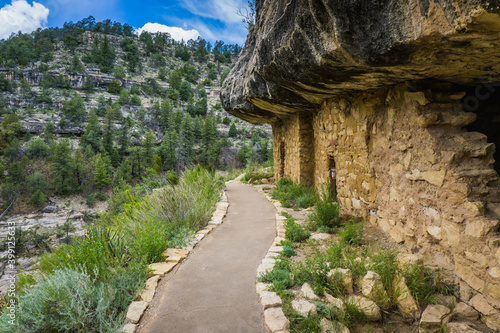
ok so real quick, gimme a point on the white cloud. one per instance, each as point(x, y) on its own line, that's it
point(20, 15)
point(177, 33)
point(222, 10)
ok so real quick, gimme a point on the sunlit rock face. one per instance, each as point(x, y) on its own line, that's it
point(302, 52)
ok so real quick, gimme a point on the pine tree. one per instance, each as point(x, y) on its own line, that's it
point(167, 150)
point(232, 131)
point(136, 159)
point(101, 174)
point(107, 136)
point(92, 135)
point(184, 153)
point(178, 117)
point(210, 143)
point(197, 128)
point(74, 109)
point(166, 115)
point(80, 170)
point(63, 168)
point(149, 149)
point(123, 173)
point(123, 140)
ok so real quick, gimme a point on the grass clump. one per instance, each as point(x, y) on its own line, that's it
point(294, 232)
point(325, 216)
point(292, 195)
point(351, 233)
point(280, 279)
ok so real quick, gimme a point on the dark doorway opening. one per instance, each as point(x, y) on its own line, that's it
point(484, 100)
point(282, 160)
point(332, 174)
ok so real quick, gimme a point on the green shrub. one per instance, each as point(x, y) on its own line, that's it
point(294, 232)
point(326, 213)
point(424, 283)
point(351, 233)
point(38, 198)
point(70, 300)
point(294, 195)
point(313, 270)
point(288, 251)
point(280, 279)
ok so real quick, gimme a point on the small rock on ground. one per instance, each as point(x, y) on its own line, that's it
point(269, 299)
point(328, 326)
point(135, 311)
point(276, 320)
point(434, 316)
point(369, 308)
point(129, 328)
point(308, 293)
point(304, 307)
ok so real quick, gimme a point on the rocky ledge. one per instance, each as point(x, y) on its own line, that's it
point(302, 52)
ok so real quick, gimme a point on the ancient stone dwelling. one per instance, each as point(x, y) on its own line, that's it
point(402, 100)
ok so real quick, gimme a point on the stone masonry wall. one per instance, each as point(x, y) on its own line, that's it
point(406, 163)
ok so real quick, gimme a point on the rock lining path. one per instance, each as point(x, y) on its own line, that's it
point(213, 290)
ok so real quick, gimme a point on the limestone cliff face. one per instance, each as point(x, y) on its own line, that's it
point(301, 52)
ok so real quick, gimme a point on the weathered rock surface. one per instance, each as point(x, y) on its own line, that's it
point(276, 320)
point(328, 326)
point(368, 307)
point(406, 303)
point(301, 52)
point(462, 311)
point(460, 328)
point(135, 311)
point(372, 287)
point(308, 293)
point(269, 299)
point(304, 307)
point(345, 276)
point(434, 316)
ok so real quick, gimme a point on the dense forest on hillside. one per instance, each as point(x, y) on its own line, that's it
point(91, 108)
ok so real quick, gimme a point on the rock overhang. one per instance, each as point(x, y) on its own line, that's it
point(300, 53)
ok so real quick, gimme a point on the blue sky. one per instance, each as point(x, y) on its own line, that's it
point(213, 20)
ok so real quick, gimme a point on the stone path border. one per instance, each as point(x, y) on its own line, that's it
point(274, 318)
point(171, 258)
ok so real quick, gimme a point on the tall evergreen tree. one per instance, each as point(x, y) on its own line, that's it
point(123, 140)
point(102, 176)
point(167, 150)
point(63, 168)
point(184, 153)
point(108, 133)
point(166, 115)
point(210, 143)
point(149, 149)
point(92, 135)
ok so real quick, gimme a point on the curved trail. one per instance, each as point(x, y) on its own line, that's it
point(213, 290)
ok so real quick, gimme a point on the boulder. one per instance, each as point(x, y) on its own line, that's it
point(304, 307)
point(135, 311)
point(345, 276)
point(335, 302)
point(328, 326)
point(434, 316)
point(367, 306)
point(372, 287)
point(276, 320)
point(269, 299)
point(407, 305)
point(308, 293)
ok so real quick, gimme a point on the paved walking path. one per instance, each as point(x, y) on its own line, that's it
point(213, 290)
